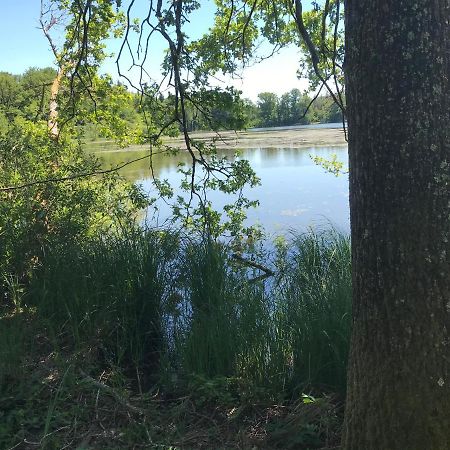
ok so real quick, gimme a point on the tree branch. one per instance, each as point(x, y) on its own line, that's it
point(75, 176)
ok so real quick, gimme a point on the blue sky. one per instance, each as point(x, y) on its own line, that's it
point(23, 45)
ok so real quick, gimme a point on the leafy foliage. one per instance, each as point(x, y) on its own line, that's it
point(25, 95)
point(43, 212)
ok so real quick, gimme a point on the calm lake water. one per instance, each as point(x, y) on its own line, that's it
point(295, 193)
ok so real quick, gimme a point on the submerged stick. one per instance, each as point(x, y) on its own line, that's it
point(248, 262)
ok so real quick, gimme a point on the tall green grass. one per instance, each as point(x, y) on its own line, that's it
point(224, 326)
point(285, 334)
point(208, 339)
point(155, 304)
point(107, 294)
point(314, 309)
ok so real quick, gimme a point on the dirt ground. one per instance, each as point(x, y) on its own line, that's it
point(290, 138)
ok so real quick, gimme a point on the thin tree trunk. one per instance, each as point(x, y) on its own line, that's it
point(53, 110)
point(397, 68)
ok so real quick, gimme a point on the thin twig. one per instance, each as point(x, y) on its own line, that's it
point(74, 176)
point(109, 390)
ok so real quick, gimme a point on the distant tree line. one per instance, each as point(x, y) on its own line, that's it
point(295, 108)
point(227, 109)
point(120, 112)
point(107, 110)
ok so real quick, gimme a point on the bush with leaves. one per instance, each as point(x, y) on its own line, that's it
point(48, 196)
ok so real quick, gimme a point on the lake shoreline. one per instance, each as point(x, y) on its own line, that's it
point(287, 138)
point(235, 140)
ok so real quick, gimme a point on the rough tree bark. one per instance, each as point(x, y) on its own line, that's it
point(398, 91)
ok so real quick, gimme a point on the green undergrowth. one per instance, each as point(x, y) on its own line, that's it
point(153, 340)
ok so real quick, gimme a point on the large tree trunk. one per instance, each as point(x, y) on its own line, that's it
point(398, 55)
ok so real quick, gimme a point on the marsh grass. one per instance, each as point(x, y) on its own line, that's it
point(287, 334)
point(314, 309)
point(151, 310)
point(108, 295)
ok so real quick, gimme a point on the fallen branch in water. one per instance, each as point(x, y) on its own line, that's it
point(248, 262)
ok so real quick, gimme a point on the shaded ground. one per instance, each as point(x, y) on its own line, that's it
point(69, 400)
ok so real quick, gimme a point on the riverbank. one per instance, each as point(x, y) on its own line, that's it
point(268, 138)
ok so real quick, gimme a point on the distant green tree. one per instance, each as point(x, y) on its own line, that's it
point(216, 109)
point(9, 96)
point(284, 110)
point(26, 95)
point(324, 110)
point(35, 99)
point(292, 108)
point(268, 104)
point(296, 108)
point(251, 111)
